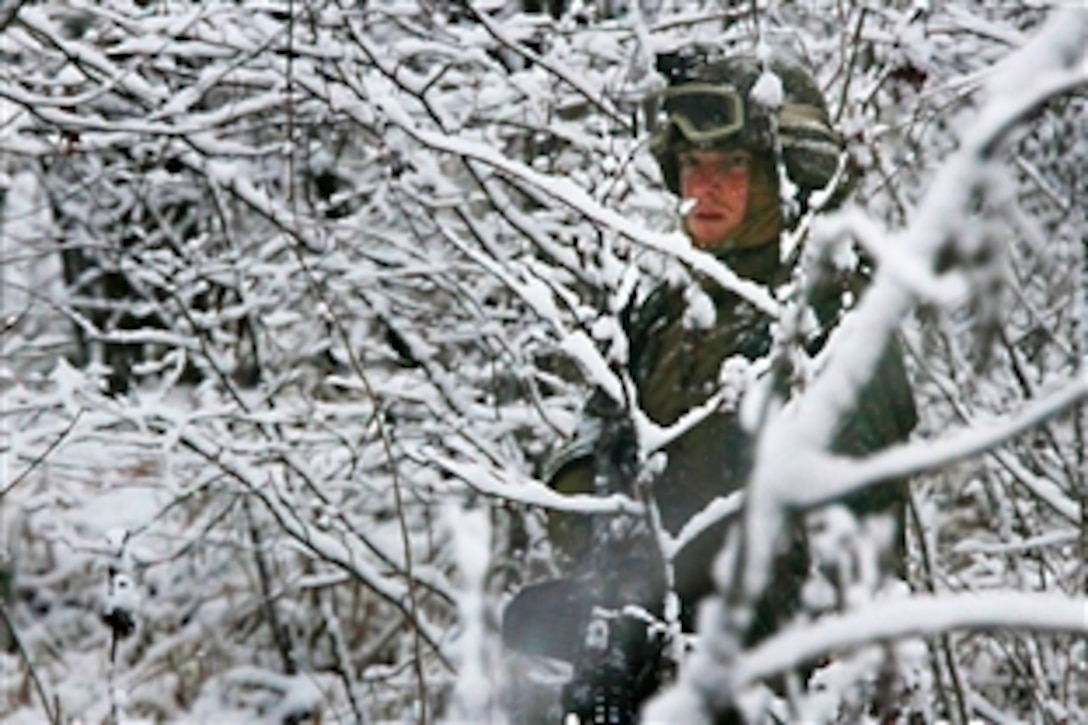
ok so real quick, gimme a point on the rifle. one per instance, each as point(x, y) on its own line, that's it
point(609, 620)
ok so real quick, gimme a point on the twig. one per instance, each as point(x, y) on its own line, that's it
point(944, 640)
point(913, 616)
point(280, 635)
point(341, 657)
point(9, 16)
point(5, 619)
point(387, 446)
point(44, 455)
point(111, 676)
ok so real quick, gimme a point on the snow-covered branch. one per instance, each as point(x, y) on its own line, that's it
point(577, 198)
point(913, 616)
point(843, 475)
point(1054, 55)
point(1054, 61)
point(880, 621)
point(282, 283)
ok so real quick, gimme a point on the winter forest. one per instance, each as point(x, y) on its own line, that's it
point(298, 295)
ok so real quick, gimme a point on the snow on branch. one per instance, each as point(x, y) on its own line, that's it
point(909, 617)
point(594, 96)
point(880, 621)
point(511, 485)
point(567, 192)
point(349, 553)
point(1048, 66)
point(1054, 60)
point(844, 475)
point(92, 62)
point(540, 298)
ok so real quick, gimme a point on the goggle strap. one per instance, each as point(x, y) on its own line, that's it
point(692, 89)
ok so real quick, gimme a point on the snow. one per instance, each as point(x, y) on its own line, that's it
point(699, 312)
point(812, 419)
point(260, 491)
point(719, 509)
point(674, 244)
point(578, 346)
point(911, 616)
point(123, 597)
point(845, 474)
point(474, 689)
point(767, 91)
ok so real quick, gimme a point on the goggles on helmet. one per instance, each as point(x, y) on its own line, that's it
point(704, 113)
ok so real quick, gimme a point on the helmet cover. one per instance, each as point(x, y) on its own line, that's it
point(710, 105)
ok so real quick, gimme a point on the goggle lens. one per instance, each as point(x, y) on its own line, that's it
point(704, 112)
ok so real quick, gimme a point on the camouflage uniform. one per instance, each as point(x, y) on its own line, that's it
point(676, 368)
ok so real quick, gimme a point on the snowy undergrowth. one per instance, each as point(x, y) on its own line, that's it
point(282, 291)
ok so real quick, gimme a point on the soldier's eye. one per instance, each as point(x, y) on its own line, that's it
point(736, 160)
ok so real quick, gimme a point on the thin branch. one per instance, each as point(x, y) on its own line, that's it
point(560, 189)
point(841, 475)
point(856, 346)
point(40, 459)
point(9, 624)
point(917, 615)
point(945, 654)
point(9, 16)
point(593, 96)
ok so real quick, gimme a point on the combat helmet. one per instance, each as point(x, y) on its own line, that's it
point(709, 104)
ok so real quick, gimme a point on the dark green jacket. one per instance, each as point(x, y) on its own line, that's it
point(676, 368)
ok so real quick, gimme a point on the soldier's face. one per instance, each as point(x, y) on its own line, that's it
point(715, 186)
